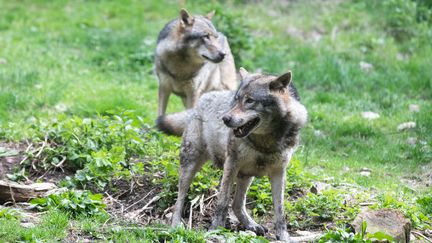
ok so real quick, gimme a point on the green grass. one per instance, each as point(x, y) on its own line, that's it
point(85, 58)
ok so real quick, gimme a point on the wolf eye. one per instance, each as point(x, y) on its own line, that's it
point(249, 100)
point(206, 36)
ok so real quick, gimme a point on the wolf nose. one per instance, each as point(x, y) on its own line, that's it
point(222, 55)
point(226, 119)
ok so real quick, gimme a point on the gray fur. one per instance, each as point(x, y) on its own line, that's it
point(265, 151)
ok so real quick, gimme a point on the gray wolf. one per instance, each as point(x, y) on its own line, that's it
point(250, 132)
point(192, 58)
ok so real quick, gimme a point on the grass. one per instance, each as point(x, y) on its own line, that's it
point(84, 58)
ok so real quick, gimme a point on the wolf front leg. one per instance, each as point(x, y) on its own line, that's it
point(277, 180)
point(230, 171)
point(239, 205)
point(164, 94)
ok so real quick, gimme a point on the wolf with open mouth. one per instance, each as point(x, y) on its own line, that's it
point(250, 132)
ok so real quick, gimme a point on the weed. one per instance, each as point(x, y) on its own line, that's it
point(317, 209)
point(99, 149)
point(71, 201)
point(425, 203)
point(237, 32)
point(345, 235)
point(7, 213)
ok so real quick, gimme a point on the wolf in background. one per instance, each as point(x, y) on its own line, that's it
point(192, 58)
point(251, 132)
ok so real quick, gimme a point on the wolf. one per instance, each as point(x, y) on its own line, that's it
point(192, 58)
point(250, 132)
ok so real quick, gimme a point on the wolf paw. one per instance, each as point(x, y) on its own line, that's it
point(258, 229)
point(283, 236)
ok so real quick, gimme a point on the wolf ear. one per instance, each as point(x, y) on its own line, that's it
point(210, 15)
point(243, 73)
point(281, 82)
point(185, 17)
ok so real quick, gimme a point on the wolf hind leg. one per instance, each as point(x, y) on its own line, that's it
point(192, 158)
point(230, 170)
point(239, 206)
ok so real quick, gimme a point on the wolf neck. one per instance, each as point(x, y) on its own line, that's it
point(181, 64)
point(282, 137)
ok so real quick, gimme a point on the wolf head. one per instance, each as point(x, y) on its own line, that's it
point(263, 101)
point(200, 37)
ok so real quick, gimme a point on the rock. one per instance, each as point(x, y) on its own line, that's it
point(369, 115)
point(306, 236)
point(169, 215)
point(389, 221)
point(414, 108)
point(318, 133)
point(328, 179)
point(2, 61)
point(405, 126)
point(367, 67)
point(249, 232)
point(27, 225)
point(412, 141)
point(365, 172)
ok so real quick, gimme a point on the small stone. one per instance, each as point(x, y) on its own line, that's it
point(412, 141)
point(367, 67)
point(389, 221)
point(28, 225)
point(365, 172)
point(2, 61)
point(402, 57)
point(319, 187)
point(328, 179)
point(61, 107)
point(414, 108)
point(405, 126)
point(168, 215)
point(318, 133)
point(249, 232)
point(369, 115)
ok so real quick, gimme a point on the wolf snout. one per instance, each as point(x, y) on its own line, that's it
point(219, 57)
point(227, 119)
point(222, 54)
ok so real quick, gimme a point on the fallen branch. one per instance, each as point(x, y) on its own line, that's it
point(22, 193)
point(422, 236)
point(146, 207)
point(135, 203)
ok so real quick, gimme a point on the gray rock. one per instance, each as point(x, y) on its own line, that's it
point(388, 221)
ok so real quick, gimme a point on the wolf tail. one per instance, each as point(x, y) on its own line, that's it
point(175, 123)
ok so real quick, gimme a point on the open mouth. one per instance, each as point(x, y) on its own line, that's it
point(244, 130)
point(215, 60)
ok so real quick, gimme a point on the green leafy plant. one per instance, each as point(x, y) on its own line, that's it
point(99, 149)
point(18, 175)
point(8, 213)
point(316, 209)
point(236, 30)
point(72, 201)
point(425, 203)
point(346, 235)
